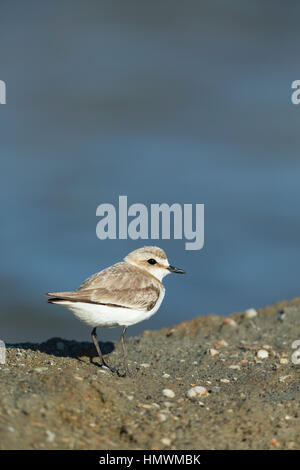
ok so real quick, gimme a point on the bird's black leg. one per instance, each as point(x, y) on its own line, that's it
point(124, 350)
point(95, 341)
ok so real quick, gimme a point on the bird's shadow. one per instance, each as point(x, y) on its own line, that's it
point(65, 348)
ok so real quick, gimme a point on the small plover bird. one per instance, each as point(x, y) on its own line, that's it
point(120, 296)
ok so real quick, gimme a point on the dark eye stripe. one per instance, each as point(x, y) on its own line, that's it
point(151, 261)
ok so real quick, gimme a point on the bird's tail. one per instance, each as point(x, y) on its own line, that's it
point(57, 297)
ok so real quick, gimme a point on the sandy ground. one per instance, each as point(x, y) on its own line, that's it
point(52, 396)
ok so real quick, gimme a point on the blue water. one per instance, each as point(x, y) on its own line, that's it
point(163, 102)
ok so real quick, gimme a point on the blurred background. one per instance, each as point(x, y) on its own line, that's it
point(162, 101)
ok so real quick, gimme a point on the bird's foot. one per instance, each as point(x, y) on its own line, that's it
point(106, 366)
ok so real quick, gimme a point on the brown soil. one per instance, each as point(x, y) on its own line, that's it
point(52, 396)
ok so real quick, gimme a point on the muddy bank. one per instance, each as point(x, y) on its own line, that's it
point(53, 396)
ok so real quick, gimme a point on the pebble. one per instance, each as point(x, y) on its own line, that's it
point(145, 365)
point(213, 352)
point(274, 443)
point(168, 404)
point(283, 378)
point(231, 322)
point(50, 435)
point(221, 343)
point(166, 441)
point(40, 369)
point(196, 392)
point(262, 354)
point(166, 376)
point(284, 361)
point(267, 346)
point(11, 429)
point(282, 315)
point(250, 313)
point(215, 389)
point(168, 393)
point(225, 381)
point(148, 407)
point(235, 367)
point(162, 417)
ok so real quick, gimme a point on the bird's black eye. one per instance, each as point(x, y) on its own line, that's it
point(151, 261)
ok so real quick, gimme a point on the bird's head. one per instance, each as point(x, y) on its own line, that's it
point(153, 260)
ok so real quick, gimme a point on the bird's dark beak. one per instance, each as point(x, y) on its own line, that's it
point(172, 269)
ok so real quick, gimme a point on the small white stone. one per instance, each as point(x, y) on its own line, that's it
point(147, 407)
point(250, 313)
point(168, 393)
point(283, 378)
point(50, 435)
point(41, 369)
point(168, 404)
point(162, 417)
point(145, 365)
point(213, 352)
point(166, 441)
point(166, 376)
point(284, 361)
point(196, 392)
point(262, 354)
point(235, 367)
point(230, 322)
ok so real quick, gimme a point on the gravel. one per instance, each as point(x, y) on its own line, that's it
point(54, 395)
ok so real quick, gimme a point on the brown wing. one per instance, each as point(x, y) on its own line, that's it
point(121, 285)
